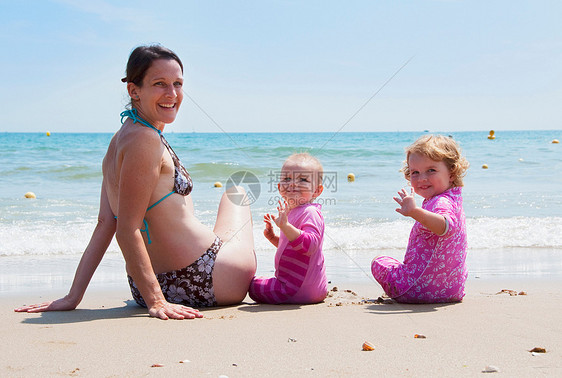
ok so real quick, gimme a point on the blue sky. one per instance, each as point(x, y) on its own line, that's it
point(289, 65)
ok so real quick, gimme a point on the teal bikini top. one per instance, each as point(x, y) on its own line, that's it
point(182, 180)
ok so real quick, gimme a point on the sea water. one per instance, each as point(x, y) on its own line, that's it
point(513, 208)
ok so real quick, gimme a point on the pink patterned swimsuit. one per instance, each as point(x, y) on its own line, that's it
point(300, 275)
point(434, 268)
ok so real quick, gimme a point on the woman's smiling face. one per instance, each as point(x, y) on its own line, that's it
point(160, 97)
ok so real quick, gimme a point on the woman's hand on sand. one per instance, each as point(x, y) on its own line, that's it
point(406, 201)
point(166, 310)
point(283, 218)
point(62, 304)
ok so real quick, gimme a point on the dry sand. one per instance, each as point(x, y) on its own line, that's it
point(109, 335)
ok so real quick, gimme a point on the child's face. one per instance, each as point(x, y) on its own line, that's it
point(428, 177)
point(298, 184)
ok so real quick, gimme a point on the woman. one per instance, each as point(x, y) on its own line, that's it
point(170, 256)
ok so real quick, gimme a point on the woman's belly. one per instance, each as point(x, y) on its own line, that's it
point(178, 239)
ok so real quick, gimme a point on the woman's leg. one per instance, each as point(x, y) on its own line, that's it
point(236, 261)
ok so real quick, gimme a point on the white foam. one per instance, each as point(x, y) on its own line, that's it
point(485, 233)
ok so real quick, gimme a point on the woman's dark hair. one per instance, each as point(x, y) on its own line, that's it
point(141, 59)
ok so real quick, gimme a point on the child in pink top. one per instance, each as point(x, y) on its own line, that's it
point(434, 268)
point(300, 275)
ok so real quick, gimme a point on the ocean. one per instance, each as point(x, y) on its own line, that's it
point(513, 208)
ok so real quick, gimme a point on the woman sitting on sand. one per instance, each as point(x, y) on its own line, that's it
point(172, 260)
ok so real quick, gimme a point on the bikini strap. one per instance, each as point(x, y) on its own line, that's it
point(134, 116)
point(160, 200)
point(145, 229)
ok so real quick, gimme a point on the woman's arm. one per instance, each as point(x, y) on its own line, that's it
point(99, 242)
point(93, 254)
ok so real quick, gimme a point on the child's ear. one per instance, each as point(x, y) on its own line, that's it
point(318, 191)
point(452, 178)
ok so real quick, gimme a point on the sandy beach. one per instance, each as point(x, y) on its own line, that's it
point(109, 335)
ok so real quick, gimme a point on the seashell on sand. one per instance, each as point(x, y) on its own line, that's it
point(367, 346)
point(491, 369)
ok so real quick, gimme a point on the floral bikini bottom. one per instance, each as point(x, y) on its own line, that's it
point(190, 286)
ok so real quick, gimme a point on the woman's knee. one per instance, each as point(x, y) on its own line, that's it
point(234, 189)
point(236, 195)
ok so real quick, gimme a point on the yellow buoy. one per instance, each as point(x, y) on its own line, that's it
point(48, 133)
point(484, 166)
point(218, 184)
point(30, 195)
point(491, 134)
point(555, 141)
point(350, 177)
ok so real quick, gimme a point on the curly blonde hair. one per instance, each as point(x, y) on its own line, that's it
point(439, 148)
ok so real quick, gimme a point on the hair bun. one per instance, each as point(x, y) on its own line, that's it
point(124, 80)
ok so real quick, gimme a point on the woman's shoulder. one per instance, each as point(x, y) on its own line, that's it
point(134, 137)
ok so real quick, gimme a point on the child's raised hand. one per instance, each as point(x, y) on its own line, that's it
point(268, 232)
point(283, 217)
point(406, 201)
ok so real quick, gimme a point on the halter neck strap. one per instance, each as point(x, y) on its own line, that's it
point(134, 116)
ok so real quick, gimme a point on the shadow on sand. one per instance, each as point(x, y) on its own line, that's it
point(391, 307)
point(131, 309)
